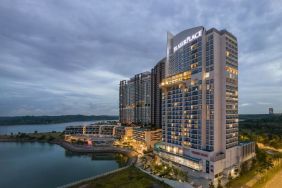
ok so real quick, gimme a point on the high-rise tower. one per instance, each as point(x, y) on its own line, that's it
point(200, 100)
point(157, 75)
point(135, 99)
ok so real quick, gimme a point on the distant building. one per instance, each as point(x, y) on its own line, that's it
point(135, 100)
point(157, 75)
point(270, 110)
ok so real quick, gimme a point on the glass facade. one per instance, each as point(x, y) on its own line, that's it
point(182, 99)
point(200, 96)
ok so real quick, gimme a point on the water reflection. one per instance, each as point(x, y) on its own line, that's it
point(119, 158)
point(33, 164)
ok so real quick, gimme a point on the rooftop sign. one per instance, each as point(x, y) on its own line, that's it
point(187, 40)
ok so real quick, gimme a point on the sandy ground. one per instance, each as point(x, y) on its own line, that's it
point(276, 181)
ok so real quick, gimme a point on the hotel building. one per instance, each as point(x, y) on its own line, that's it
point(135, 100)
point(200, 102)
point(157, 75)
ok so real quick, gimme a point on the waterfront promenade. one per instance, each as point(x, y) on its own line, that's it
point(132, 155)
point(99, 149)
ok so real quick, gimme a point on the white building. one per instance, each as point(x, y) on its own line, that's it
point(200, 102)
point(93, 130)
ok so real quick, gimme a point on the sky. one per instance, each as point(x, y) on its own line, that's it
point(68, 56)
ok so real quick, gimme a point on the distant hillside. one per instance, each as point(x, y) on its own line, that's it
point(21, 120)
point(268, 117)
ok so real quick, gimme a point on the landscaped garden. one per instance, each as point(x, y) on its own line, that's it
point(127, 178)
point(158, 168)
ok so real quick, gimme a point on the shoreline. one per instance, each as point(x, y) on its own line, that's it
point(55, 122)
point(132, 155)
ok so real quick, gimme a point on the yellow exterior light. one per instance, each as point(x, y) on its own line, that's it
point(231, 70)
point(175, 79)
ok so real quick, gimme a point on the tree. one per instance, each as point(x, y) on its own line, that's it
point(229, 180)
point(211, 185)
point(219, 184)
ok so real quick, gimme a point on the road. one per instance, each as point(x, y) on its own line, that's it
point(276, 181)
point(262, 146)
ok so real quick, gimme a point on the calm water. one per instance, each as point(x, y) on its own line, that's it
point(8, 129)
point(47, 165)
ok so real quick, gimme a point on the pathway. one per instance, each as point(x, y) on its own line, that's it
point(172, 183)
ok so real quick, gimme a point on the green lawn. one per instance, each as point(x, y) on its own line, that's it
point(249, 175)
point(128, 178)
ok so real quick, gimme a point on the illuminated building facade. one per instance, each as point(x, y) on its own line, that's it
point(94, 130)
point(148, 137)
point(122, 132)
point(135, 100)
point(200, 101)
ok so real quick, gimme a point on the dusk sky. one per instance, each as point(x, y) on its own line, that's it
point(67, 56)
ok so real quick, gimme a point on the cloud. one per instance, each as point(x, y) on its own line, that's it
point(67, 57)
point(244, 104)
point(264, 103)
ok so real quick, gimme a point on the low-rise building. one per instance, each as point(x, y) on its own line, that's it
point(122, 132)
point(247, 151)
point(89, 140)
point(147, 137)
point(74, 129)
point(95, 134)
point(107, 130)
point(94, 130)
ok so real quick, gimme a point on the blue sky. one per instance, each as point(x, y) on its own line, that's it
point(68, 56)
